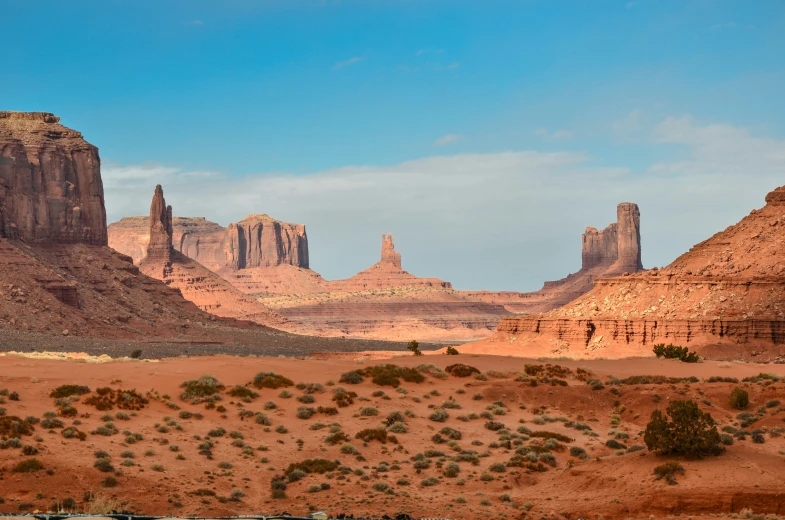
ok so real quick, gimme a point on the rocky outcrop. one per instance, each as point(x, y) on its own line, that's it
point(604, 253)
point(50, 182)
point(388, 251)
point(255, 241)
point(196, 283)
point(726, 291)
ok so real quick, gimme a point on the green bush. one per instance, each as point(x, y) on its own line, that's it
point(460, 370)
point(414, 347)
point(739, 398)
point(675, 352)
point(28, 466)
point(351, 378)
point(687, 431)
point(452, 351)
point(68, 391)
point(391, 375)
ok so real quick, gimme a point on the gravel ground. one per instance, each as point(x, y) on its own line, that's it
point(266, 342)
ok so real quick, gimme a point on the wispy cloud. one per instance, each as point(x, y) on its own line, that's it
point(429, 51)
point(558, 134)
point(197, 23)
point(630, 4)
point(348, 63)
point(447, 139)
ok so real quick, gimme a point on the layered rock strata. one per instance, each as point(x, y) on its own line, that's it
point(50, 182)
point(728, 291)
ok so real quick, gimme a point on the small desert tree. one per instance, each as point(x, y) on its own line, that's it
point(686, 430)
point(739, 398)
point(414, 346)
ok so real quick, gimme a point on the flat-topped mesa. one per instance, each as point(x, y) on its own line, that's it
point(50, 182)
point(159, 249)
point(262, 241)
point(388, 251)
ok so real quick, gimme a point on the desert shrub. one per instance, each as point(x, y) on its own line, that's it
point(69, 390)
point(430, 481)
point(432, 370)
point(368, 411)
point(281, 429)
point(494, 426)
point(351, 378)
point(309, 466)
point(261, 418)
point(739, 398)
point(29, 449)
point(668, 471)
point(103, 464)
point(498, 467)
point(460, 370)
point(336, 438)
point(278, 487)
point(342, 397)
point(311, 388)
point(757, 438)
point(327, 410)
point(136, 354)
point(615, 445)
point(452, 351)
point(397, 427)
point(726, 439)
point(551, 435)
point(306, 398)
point(73, 433)
point(201, 390)
point(451, 433)
point(686, 431)
point(110, 482)
point(348, 449)
point(675, 352)
point(157, 467)
point(746, 418)
point(414, 347)
point(773, 403)
point(271, 380)
point(577, 451)
point(244, 393)
point(13, 426)
point(372, 434)
point(439, 415)
point(391, 375)
point(28, 466)
point(305, 412)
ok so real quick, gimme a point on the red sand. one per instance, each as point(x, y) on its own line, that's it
point(615, 486)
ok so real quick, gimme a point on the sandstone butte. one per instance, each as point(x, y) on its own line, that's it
point(197, 284)
point(383, 301)
point(58, 276)
point(724, 297)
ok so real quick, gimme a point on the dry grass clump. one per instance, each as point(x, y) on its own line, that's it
point(72, 432)
point(461, 370)
point(309, 466)
point(432, 370)
point(351, 378)
point(343, 397)
point(551, 435)
point(271, 380)
point(28, 466)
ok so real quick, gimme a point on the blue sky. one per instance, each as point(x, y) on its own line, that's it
point(362, 117)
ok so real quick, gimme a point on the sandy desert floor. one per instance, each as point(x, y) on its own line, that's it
point(461, 447)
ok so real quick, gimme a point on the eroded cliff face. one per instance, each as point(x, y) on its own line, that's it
point(255, 241)
point(727, 290)
point(50, 182)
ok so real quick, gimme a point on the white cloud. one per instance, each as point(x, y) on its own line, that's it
point(721, 26)
point(447, 139)
point(196, 23)
point(429, 51)
point(507, 220)
point(347, 63)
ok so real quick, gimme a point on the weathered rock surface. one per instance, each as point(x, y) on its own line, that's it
point(50, 182)
point(204, 288)
point(255, 241)
point(726, 291)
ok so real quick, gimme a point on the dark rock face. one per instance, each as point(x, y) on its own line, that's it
point(50, 182)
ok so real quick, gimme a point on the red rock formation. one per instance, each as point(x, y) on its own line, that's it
point(204, 288)
point(50, 181)
point(728, 290)
point(610, 252)
point(388, 251)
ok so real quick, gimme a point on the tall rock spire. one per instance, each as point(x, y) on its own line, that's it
point(159, 249)
point(388, 251)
